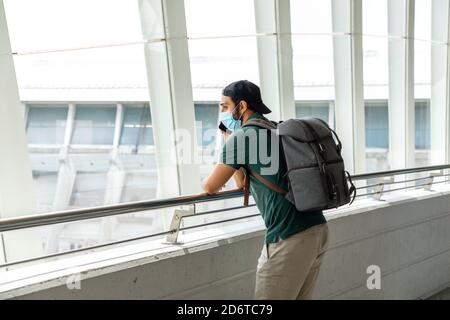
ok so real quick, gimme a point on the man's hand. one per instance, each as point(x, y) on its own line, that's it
point(225, 135)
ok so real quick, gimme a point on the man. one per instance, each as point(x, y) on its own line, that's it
point(295, 241)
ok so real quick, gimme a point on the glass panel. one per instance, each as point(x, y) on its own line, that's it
point(140, 186)
point(206, 115)
point(101, 74)
point(94, 124)
point(313, 109)
point(375, 17)
point(137, 125)
point(377, 135)
point(214, 64)
point(376, 95)
point(79, 52)
point(376, 83)
point(313, 72)
point(46, 125)
point(422, 81)
point(91, 179)
point(45, 164)
point(218, 62)
point(45, 188)
point(311, 16)
point(376, 68)
point(377, 129)
point(229, 54)
point(422, 69)
point(223, 18)
point(422, 117)
point(45, 24)
point(422, 19)
point(89, 190)
point(140, 176)
point(313, 67)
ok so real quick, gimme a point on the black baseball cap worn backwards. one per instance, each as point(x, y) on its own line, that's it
point(248, 91)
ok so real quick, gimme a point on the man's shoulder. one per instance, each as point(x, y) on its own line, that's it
point(258, 123)
point(244, 131)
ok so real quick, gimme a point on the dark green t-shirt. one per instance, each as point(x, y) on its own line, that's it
point(251, 146)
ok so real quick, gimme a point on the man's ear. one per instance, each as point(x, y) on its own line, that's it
point(244, 106)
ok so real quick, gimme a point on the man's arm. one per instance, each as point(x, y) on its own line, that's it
point(239, 177)
point(217, 178)
point(221, 174)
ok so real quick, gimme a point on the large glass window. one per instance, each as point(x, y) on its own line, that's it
point(137, 125)
point(139, 186)
point(313, 67)
point(46, 125)
point(377, 129)
point(223, 48)
point(94, 124)
point(206, 115)
point(223, 18)
point(422, 80)
point(312, 45)
point(141, 177)
point(218, 62)
point(376, 117)
point(311, 16)
point(423, 122)
point(89, 190)
point(220, 50)
point(375, 43)
point(376, 122)
point(90, 53)
point(375, 17)
point(50, 24)
point(313, 109)
point(45, 187)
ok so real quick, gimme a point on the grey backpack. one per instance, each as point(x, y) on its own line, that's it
point(317, 179)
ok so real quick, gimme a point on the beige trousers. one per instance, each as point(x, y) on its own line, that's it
point(288, 269)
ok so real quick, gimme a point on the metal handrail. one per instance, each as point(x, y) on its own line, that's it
point(398, 171)
point(402, 188)
point(35, 220)
point(41, 219)
point(172, 234)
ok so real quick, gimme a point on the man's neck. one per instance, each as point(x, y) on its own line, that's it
point(247, 115)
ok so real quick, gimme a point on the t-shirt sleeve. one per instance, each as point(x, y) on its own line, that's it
point(233, 154)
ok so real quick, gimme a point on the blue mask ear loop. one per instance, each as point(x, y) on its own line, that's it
point(239, 119)
point(236, 121)
point(237, 106)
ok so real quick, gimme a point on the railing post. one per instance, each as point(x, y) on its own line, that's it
point(429, 180)
point(380, 187)
point(178, 214)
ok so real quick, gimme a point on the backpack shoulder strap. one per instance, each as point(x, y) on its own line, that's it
point(266, 124)
point(339, 146)
point(269, 184)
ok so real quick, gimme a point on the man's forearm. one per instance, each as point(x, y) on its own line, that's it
point(239, 178)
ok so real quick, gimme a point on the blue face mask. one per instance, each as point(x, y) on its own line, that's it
point(228, 121)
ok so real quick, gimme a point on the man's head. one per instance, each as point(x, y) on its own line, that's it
point(242, 98)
